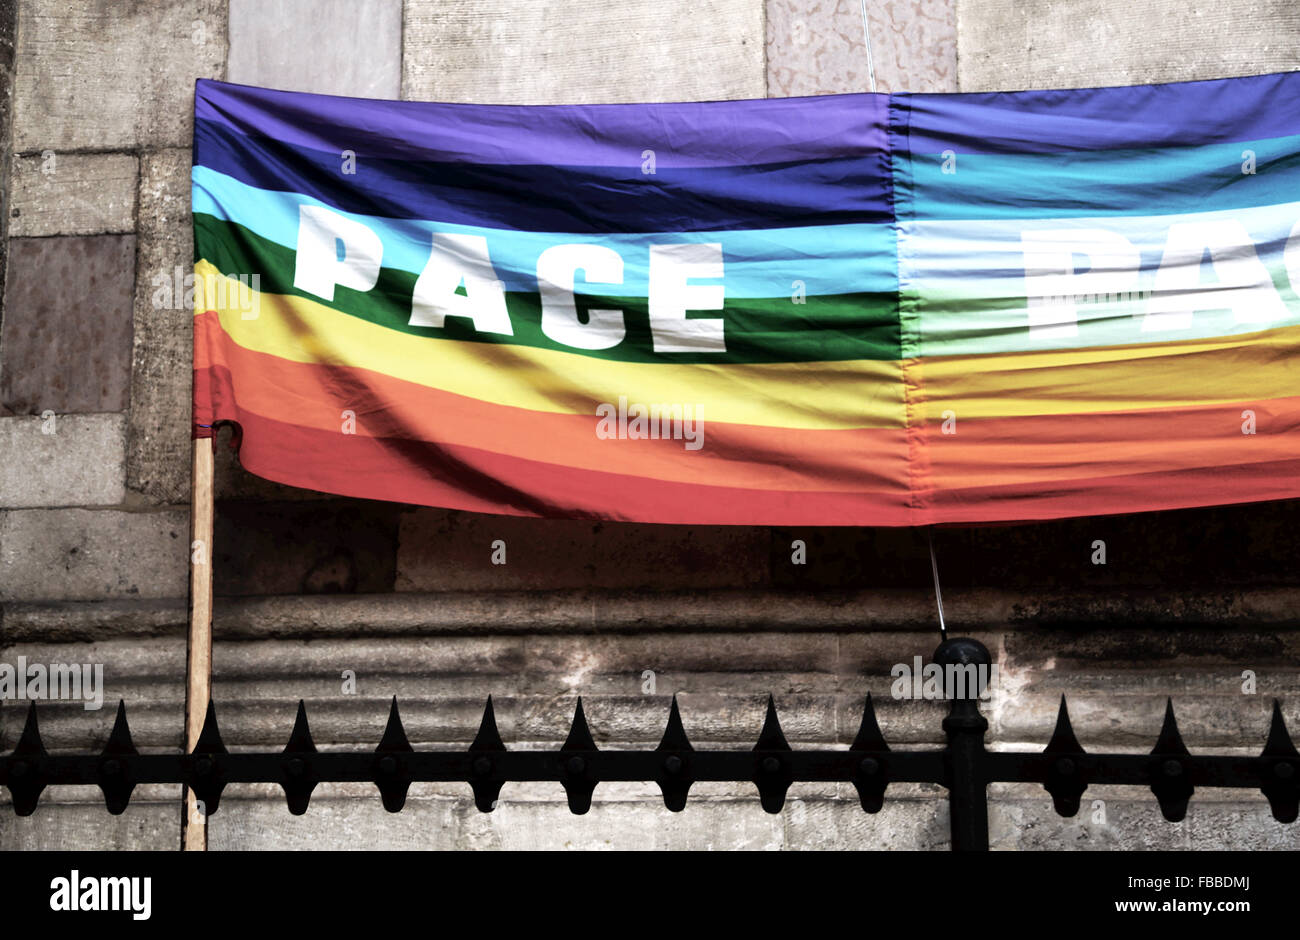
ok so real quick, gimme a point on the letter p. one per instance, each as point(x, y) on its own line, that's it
point(319, 266)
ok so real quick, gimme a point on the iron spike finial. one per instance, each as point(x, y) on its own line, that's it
point(1063, 737)
point(29, 742)
point(1066, 779)
point(579, 738)
point(1279, 742)
point(486, 777)
point(394, 737)
point(1169, 770)
point(869, 737)
point(772, 771)
point(119, 740)
point(391, 770)
point(674, 776)
point(1171, 740)
point(297, 776)
point(1280, 770)
point(577, 775)
point(27, 766)
point(488, 737)
point(771, 738)
point(205, 765)
point(209, 741)
point(115, 777)
point(300, 741)
point(674, 738)
point(871, 776)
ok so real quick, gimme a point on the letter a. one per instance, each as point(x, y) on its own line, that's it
point(457, 258)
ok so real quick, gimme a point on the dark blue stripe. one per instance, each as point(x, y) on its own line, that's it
point(579, 199)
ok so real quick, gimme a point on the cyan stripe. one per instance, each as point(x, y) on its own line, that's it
point(831, 259)
point(1115, 182)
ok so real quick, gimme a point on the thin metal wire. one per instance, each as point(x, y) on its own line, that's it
point(866, 35)
point(938, 595)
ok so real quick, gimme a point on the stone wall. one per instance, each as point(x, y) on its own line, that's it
point(94, 476)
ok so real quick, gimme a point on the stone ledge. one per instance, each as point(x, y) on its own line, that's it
point(362, 616)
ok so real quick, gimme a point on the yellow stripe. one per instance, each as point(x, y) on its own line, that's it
point(1245, 367)
point(828, 395)
point(815, 395)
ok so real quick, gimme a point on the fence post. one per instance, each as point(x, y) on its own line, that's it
point(964, 757)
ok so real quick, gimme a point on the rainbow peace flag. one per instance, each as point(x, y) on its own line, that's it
point(854, 309)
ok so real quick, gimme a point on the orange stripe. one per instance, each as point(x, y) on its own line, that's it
point(479, 481)
point(316, 396)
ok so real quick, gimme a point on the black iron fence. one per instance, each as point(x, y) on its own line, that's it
point(963, 766)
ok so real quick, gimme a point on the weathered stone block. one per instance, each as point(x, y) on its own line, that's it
point(625, 825)
point(501, 52)
point(1241, 823)
point(815, 48)
point(66, 338)
point(93, 75)
point(84, 826)
point(76, 460)
point(1105, 822)
point(333, 824)
point(158, 444)
point(906, 824)
point(338, 47)
point(62, 554)
point(1006, 45)
point(8, 26)
point(73, 194)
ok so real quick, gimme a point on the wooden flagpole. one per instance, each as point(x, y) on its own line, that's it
point(198, 655)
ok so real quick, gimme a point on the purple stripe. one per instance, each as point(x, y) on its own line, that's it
point(1132, 117)
point(682, 135)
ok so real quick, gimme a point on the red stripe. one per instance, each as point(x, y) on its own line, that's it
point(1054, 466)
point(469, 478)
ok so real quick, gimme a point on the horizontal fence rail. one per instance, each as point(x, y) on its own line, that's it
point(963, 766)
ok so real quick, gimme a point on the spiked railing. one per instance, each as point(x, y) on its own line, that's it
point(964, 766)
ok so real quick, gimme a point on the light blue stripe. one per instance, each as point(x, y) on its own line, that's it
point(833, 259)
point(1119, 182)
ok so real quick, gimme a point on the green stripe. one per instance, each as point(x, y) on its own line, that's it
point(953, 323)
point(823, 328)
